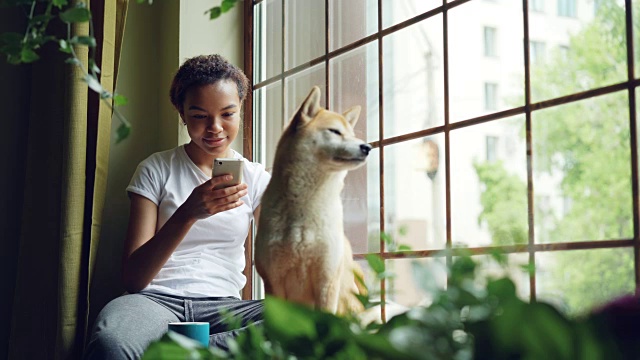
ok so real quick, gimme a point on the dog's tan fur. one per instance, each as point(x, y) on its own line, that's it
point(301, 251)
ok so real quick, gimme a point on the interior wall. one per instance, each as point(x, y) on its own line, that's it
point(14, 102)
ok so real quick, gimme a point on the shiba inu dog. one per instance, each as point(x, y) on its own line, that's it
point(301, 251)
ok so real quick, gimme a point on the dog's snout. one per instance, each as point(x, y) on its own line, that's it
point(365, 148)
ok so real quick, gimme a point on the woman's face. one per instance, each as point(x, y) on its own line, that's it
point(212, 115)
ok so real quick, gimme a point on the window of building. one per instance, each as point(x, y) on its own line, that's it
point(536, 5)
point(419, 73)
point(492, 148)
point(567, 8)
point(490, 96)
point(537, 51)
point(490, 41)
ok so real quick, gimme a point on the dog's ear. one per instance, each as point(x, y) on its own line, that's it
point(352, 115)
point(309, 108)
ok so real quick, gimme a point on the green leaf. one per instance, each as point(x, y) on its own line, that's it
point(65, 46)
point(73, 61)
point(38, 19)
point(123, 132)
point(84, 40)
point(119, 100)
point(94, 68)
point(27, 55)
point(376, 263)
point(288, 320)
point(404, 247)
point(75, 15)
point(227, 5)
point(215, 12)
point(11, 38)
point(60, 3)
point(93, 83)
point(503, 289)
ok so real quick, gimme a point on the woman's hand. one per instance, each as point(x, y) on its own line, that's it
point(205, 201)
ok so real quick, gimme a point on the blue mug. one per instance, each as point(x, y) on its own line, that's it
point(198, 331)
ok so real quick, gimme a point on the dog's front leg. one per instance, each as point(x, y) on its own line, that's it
point(328, 293)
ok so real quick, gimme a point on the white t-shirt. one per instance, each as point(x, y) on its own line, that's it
point(210, 259)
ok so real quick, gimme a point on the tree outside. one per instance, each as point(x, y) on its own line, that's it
point(583, 150)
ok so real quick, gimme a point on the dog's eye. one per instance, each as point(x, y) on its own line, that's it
point(337, 132)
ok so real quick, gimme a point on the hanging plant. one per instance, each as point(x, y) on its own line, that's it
point(23, 48)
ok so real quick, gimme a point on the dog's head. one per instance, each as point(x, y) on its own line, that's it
point(326, 136)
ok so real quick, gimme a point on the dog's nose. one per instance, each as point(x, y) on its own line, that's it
point(365, 148)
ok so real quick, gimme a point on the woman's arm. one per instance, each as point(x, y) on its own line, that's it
point(145, 251)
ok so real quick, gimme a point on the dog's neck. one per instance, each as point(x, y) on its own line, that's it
point(304, 183)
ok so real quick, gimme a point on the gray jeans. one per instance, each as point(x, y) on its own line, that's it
point(128, 324)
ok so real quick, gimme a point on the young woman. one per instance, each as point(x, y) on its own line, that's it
point(184, 250)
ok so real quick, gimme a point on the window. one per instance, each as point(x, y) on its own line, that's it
point(567, 8)
point(492, 148)
point(536, 5)
point(490, 41)
point(490, 96)
point(436, 113)
point(537, 49)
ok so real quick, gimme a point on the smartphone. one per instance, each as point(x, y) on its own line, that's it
point(222, 166)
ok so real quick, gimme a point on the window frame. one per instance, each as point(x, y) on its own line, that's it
point(531, 248)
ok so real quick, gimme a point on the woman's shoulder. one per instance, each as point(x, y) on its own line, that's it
point(162, 158)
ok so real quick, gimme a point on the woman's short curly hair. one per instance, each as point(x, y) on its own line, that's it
point(205, 70)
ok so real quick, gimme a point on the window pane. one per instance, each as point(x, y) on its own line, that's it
point(489, 197)
point(354, 81)
point(298, 86)
point(268, 122)
point(361, 204)
point(413, 78)
point(267, 52)
point(584, 147)
point(470, 69)
point(406, 288)
point(305, 31)
point(582, 53)
point(414, 191)
point(577, 281)
point(397, 11)
point(350, 21)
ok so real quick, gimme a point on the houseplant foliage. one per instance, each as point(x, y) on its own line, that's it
point(23, 48)
point(474, 317)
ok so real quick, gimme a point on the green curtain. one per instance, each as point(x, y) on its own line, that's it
point(65, 182)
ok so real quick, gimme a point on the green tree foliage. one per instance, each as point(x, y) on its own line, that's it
point(504, 204)
point(586, 146)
